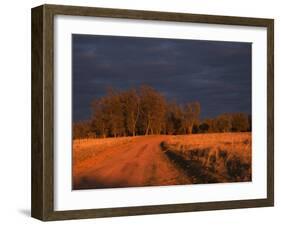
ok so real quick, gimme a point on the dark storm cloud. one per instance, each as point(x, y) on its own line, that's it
point(218, 74)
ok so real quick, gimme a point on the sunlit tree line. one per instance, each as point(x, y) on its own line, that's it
point(145, 111)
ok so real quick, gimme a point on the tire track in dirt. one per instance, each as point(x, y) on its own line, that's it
point(139, 163)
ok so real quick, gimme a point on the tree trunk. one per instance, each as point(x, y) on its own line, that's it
point(190, 129)
point(147, 129)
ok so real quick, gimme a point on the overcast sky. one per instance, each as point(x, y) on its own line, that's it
point(215, 73)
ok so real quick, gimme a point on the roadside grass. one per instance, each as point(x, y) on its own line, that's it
point(212, 158)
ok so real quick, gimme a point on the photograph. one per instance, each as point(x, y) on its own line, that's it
point(140, 112)
point(150, 111)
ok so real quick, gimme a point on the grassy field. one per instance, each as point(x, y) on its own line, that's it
point(88, 148)
point(162, 160)
point(207, 158)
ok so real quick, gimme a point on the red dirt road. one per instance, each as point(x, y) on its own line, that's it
point(137, 163)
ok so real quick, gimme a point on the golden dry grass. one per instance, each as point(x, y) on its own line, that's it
point(225, 157)
point(87, 148)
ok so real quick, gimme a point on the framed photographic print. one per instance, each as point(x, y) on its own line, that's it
point(141, 112)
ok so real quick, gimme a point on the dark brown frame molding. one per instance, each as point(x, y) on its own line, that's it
point(42, 203)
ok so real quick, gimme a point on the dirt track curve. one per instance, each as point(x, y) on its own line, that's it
point(138, 163)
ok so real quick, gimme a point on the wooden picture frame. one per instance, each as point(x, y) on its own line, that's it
point(43, 112)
